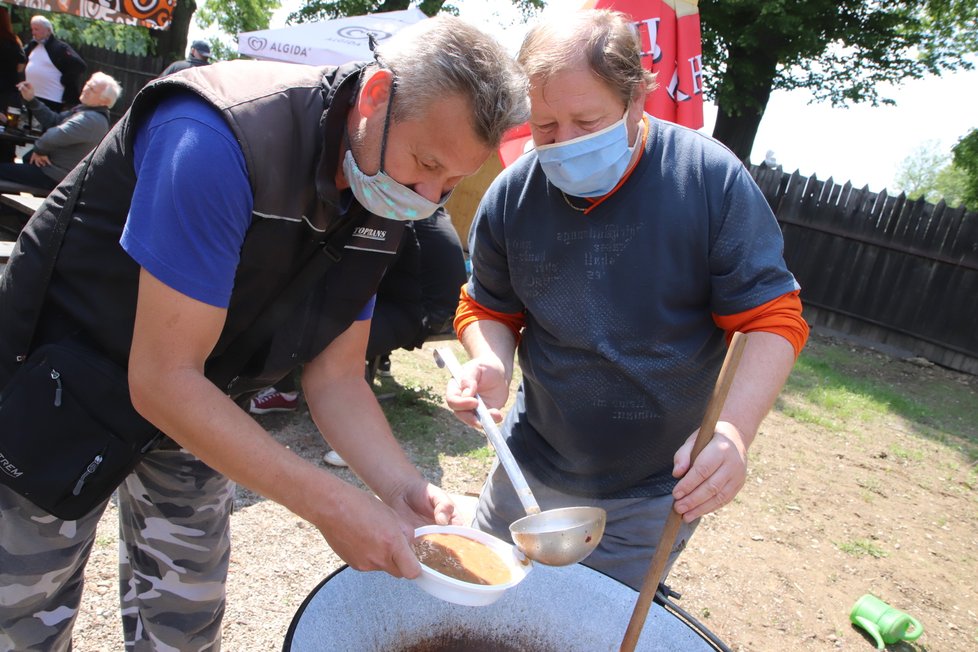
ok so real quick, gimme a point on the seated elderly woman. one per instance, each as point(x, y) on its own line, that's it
point(67, 136)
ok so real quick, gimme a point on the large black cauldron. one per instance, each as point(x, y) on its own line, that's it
point(568, 609)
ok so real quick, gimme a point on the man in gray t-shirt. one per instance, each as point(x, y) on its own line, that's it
point(617, 259)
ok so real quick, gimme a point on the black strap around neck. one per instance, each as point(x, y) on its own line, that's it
point(224, 369)
point(54, 248)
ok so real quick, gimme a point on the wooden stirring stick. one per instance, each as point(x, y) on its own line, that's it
point(674, 520)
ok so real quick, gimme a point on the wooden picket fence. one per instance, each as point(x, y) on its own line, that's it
point(892, 270)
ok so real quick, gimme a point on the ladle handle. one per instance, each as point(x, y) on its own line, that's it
point(674, 520)
point(444, 357)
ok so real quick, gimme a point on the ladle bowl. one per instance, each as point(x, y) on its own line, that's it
point(556, 537)
point(559, 537)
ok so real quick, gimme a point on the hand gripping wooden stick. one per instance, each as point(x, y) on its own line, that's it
point(674, 520)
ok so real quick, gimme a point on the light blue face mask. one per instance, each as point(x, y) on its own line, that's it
point(382, 195)
point(590, 165)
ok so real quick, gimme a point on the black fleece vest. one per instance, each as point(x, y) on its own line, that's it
point(288, 120)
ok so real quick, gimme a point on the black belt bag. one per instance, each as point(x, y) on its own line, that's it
point(68, 432)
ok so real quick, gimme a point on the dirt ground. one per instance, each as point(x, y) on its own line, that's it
point(881, 506)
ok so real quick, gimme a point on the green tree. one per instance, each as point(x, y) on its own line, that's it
point(233, 17)
point(966, 159)
point(931, 174)
point(326, 9)
point(73, 29)
point(103, 34)
point(138, 40)
point(843, 51)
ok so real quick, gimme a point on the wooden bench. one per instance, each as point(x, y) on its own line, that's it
point(6, 248)
point(15, 210)
point(20, 202)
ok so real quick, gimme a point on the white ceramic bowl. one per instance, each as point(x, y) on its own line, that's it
point(465, 593)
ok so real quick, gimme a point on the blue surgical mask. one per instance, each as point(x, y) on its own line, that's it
point(591, 165)
point(382, 195)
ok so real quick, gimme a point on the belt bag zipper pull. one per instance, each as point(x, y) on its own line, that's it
point(56, 377)
point(92, 467)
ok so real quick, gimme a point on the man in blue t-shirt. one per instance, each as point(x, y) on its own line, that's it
point(195, 215)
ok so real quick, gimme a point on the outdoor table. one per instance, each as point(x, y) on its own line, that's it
point(18, 137)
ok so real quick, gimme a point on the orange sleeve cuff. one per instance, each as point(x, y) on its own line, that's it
point(469, 312)
point(781, 316)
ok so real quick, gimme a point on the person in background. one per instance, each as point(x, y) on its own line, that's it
point(199, 210)
point(617, 258)
point(200, 55)
point(54, 69)
point(416, 298)
point(12, 63)
point(67, 136)
point(419, 295)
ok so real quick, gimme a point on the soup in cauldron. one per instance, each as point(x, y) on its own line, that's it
point(461, 558)
point(463, 641)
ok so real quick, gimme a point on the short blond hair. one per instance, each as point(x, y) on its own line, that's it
point(444, 55)
point(606, 40)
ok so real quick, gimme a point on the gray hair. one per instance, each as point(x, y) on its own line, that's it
point(606, 40)
point(111, 89)
point(445, 55)
point(43, 21)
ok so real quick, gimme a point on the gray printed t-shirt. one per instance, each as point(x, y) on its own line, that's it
point(620, 352)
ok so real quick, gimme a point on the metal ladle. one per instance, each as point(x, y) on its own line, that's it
point(556, 537)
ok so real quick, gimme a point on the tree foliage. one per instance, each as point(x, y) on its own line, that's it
point(966, 159)
point(99, 33)
point(236, 16)
point(930, 173)
point(843, 51)
point(326, 9)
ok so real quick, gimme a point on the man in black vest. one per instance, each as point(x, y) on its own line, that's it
point(199, 210)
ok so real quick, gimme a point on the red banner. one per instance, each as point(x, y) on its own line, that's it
point(155, 14)
point(669, 31)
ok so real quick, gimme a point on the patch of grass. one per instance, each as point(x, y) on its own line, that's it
point(834, 388)
point(872, 485)
point(409, 411)
point(906, 455)
point(845, 397)
point(860, 548)
point(415, 408)
point(481, 454)
point(804, 414)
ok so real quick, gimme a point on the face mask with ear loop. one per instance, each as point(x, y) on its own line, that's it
point(380, 193)
point(590, 165)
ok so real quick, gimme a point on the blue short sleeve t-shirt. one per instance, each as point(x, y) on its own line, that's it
point(193, 201)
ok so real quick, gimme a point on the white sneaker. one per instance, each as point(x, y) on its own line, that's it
point(333, 458)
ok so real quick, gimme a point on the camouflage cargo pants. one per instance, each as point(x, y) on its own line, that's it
point(174, 515)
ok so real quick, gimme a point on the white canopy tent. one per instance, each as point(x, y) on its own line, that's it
point(328, 42)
